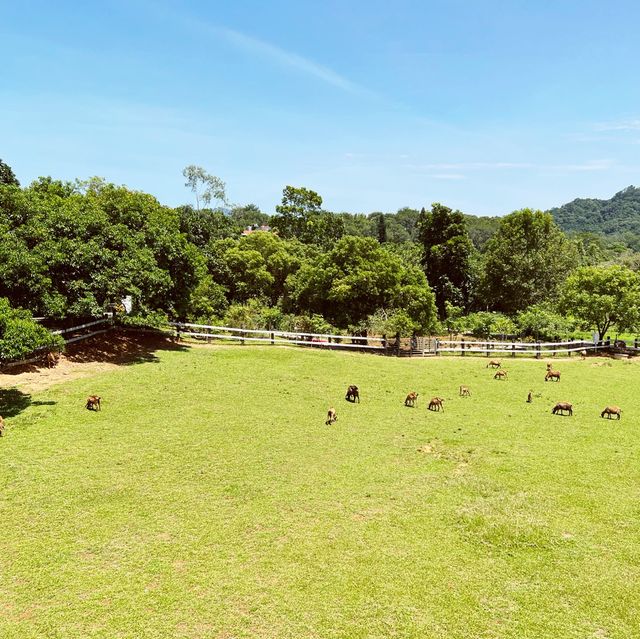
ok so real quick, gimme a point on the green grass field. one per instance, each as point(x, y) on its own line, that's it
point(209, 499)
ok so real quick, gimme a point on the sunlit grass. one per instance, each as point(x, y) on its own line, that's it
point(209, 499)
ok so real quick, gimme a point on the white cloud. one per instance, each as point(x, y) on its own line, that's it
point(620, 125)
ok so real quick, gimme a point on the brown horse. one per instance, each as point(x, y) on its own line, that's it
point(529, 397)
point(465, 391)
point(560, 407)
point(501, 374)
point(494, 363)
point(93, 402)
point(411, 399)
point(353, 394)
point(436, 403)
point(611, 410)
point(51, 359)
point(332, 416)
point(552, 375)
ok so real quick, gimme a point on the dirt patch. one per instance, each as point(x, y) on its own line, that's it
point(87, 358)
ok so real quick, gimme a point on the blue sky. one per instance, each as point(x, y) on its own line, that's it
point(485, 106)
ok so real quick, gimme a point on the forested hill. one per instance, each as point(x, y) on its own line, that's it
point(619, 216)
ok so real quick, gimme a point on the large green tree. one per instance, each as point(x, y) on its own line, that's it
point(300, 216)
point(69, 251)
point(358, 277)
point(603, 296)
point(447, 252)
point(526, 261)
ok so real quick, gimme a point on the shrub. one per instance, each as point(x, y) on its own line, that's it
point(20, 335)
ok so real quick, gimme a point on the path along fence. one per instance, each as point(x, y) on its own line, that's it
point(414, 346)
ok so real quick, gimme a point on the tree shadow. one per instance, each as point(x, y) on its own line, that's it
point(14, 401)
point(122, 347)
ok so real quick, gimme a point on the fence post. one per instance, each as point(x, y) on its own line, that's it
point(513, 348)
point(462, 347)
point(538, 348)
point(178, 333)
point(488, 351)
point(384, 342)
point(635, 343)
point(242, 337)
point(272, 339)
point(437, 346)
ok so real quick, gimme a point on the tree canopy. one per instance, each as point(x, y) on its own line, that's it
point(603, 296)
point(526, 261)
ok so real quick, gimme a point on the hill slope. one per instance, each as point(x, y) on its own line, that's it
point(618, 216)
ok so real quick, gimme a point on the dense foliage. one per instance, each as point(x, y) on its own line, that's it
point(20, 335)
point(618, 218)
point(75, 249)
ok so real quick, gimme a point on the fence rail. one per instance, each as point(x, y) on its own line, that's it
point(280, 338)
point(395, 346)
point(538, 349)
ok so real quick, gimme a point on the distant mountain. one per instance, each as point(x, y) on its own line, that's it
point(618, 217)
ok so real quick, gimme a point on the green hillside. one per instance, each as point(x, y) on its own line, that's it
point(617, 217)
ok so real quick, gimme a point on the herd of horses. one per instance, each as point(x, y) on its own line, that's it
point(437, 403)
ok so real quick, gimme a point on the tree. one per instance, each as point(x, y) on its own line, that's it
point(7, 175)
point(248, 215)
point(356, 278)
point(205, 186)
point(447, 254)
point(300, 216)
point(602, 296)
point(381, 228)
point(526, 261)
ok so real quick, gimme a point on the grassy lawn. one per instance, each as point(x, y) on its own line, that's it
point(209, 499)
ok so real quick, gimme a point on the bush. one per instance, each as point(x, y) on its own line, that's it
point(541, 323)
point(485, 324)
point(21, 336)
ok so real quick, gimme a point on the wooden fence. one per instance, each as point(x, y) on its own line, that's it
point(415, 346)
point(280, 338)
point(70, 335)
point(513, 348)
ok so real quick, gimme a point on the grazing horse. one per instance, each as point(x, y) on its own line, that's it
point(611, 410)
point(411, 399)
point(436, 403)
point(51, 359)
point(501, 374)
point(494, 363)
point(552, 375)
point(93, 402)
point(560, 407)
point(1, 426)
point(353, 393)
point(332, 416)
point(465, 391)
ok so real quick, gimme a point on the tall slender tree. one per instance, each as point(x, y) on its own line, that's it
point(447, 252)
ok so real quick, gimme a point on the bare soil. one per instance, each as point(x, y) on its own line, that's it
point(86, 358)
